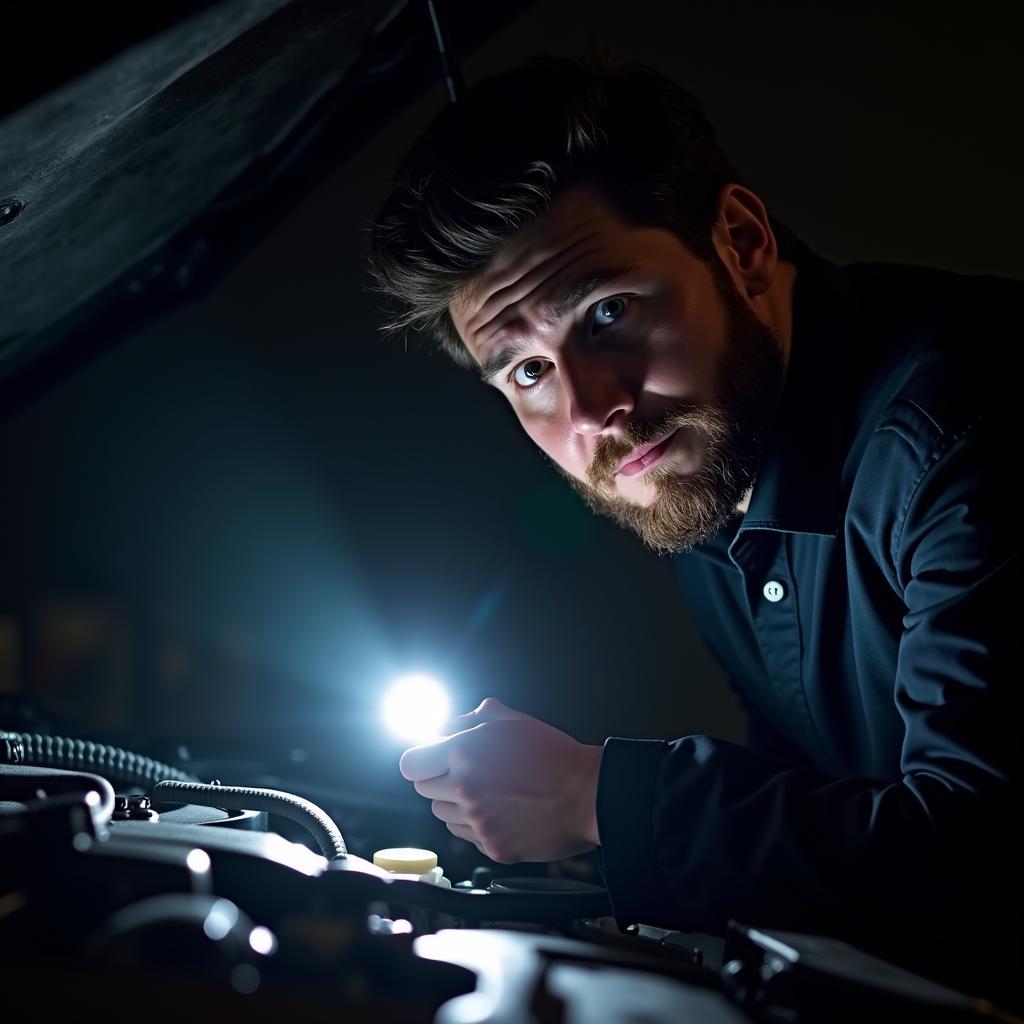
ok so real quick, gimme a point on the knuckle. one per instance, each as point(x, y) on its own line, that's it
point(492, 709)
point(501, 853)
point(460, 757)
point(465, 792)
point(483, 823)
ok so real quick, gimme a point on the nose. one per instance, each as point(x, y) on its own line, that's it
point(598, 395)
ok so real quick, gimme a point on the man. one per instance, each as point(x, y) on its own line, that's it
point(825, 451)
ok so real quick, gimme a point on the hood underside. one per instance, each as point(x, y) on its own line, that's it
point(136, 184)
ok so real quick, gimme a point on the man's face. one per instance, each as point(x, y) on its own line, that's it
point(638, 368)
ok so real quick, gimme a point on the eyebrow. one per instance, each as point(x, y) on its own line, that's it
point(557, 308)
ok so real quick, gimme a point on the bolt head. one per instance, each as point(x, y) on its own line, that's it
point(9, 210)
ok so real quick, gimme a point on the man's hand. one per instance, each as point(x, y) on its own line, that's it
point(518, 789)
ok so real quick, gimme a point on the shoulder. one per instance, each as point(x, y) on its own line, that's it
point(935, 362)
point(941, 346)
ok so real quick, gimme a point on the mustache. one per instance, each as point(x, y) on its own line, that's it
point(611, 451)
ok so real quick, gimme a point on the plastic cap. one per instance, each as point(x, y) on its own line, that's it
point(406, 860)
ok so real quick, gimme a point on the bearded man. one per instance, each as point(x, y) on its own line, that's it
point(824, 452)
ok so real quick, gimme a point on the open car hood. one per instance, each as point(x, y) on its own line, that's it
point(177, 142)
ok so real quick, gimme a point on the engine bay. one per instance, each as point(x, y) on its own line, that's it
point(129, 886)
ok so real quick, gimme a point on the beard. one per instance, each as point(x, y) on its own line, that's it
point(688, 510)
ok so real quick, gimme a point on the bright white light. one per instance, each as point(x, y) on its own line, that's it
point(415, 708)
point(198, 861)
point(262, 940)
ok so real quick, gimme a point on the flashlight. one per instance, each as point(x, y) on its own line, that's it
point(415, 708)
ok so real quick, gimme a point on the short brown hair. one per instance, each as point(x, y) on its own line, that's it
point(488, 166)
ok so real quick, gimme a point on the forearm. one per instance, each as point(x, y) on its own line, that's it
point(700, 831)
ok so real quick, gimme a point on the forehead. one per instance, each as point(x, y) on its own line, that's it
point(579, 231)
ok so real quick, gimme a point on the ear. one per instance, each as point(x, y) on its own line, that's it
point(744, 239)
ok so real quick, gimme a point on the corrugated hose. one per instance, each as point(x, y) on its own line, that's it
point(250, 798)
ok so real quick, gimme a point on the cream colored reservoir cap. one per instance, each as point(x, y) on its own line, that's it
point(406, 860)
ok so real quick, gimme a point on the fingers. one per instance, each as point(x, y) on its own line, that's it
point(432, 759)
point(490, 710)
point(465, 832)
point(441, 788)
point(426, 762)
point(448, 812)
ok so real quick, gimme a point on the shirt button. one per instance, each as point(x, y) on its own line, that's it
point(774, 590)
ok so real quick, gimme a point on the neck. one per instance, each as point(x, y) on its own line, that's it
point(776, 309)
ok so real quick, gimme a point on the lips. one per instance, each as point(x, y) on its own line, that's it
point(645, 456)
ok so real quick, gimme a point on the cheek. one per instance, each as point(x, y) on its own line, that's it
point(683, 343)
point(557, 441)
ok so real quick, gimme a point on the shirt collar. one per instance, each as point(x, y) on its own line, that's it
point(797, 486)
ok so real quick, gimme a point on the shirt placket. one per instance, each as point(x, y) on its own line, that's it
point(769, 586)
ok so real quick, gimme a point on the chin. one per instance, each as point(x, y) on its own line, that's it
point(643, 496)
point(643, 491)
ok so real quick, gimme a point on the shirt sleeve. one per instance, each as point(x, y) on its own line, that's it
point(697, 831)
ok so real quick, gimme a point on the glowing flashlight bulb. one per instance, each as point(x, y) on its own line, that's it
point(415, 708)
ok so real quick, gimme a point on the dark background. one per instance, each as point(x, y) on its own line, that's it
point(236, 528)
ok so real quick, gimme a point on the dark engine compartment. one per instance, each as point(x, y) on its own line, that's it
point(118, 899)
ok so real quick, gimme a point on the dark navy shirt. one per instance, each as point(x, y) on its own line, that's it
point(865, 608)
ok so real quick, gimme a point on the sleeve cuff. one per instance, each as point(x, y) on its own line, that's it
point(625, 790)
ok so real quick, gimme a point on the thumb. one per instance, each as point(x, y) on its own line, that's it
point(489, 710)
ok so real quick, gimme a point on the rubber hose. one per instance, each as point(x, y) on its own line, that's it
point(249, 798)
point(114, 763)
point(23, 782)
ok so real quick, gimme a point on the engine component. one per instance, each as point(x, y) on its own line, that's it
point(304, 812)
point(120, 767)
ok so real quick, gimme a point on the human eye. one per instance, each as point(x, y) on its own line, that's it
point(608, 311)
point(529, 372)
